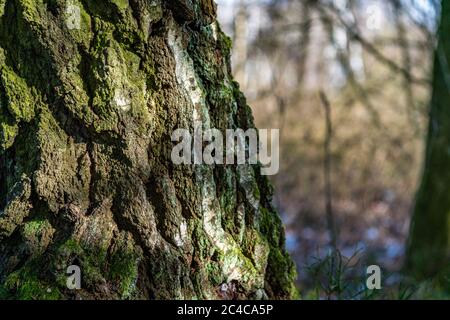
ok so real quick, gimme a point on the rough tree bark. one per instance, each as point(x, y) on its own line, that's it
point(429, 243)
point(86, 177)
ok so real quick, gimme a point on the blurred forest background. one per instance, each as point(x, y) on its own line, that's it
point(348, 83)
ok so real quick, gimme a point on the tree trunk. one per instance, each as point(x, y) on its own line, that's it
point(87, 112)
point(429, 243)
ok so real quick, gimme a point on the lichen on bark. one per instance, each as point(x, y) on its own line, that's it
point(86, 178)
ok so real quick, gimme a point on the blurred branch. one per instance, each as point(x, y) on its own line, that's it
point(430, 35)
point(343, 58)
point(368, 46)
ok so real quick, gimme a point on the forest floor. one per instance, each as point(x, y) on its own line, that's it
point(381, 240)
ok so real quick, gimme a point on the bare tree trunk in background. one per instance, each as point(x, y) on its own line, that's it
point(429, 243)
point(304, 42)
point(331, 224)
point(407, 65)
point(240, 48)
point(86, 119)
point(305, 39)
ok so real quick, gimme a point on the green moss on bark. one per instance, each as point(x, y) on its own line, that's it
point(26, 286)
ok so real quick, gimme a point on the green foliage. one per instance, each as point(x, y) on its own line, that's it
point(334, 277)
point(337, 277)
